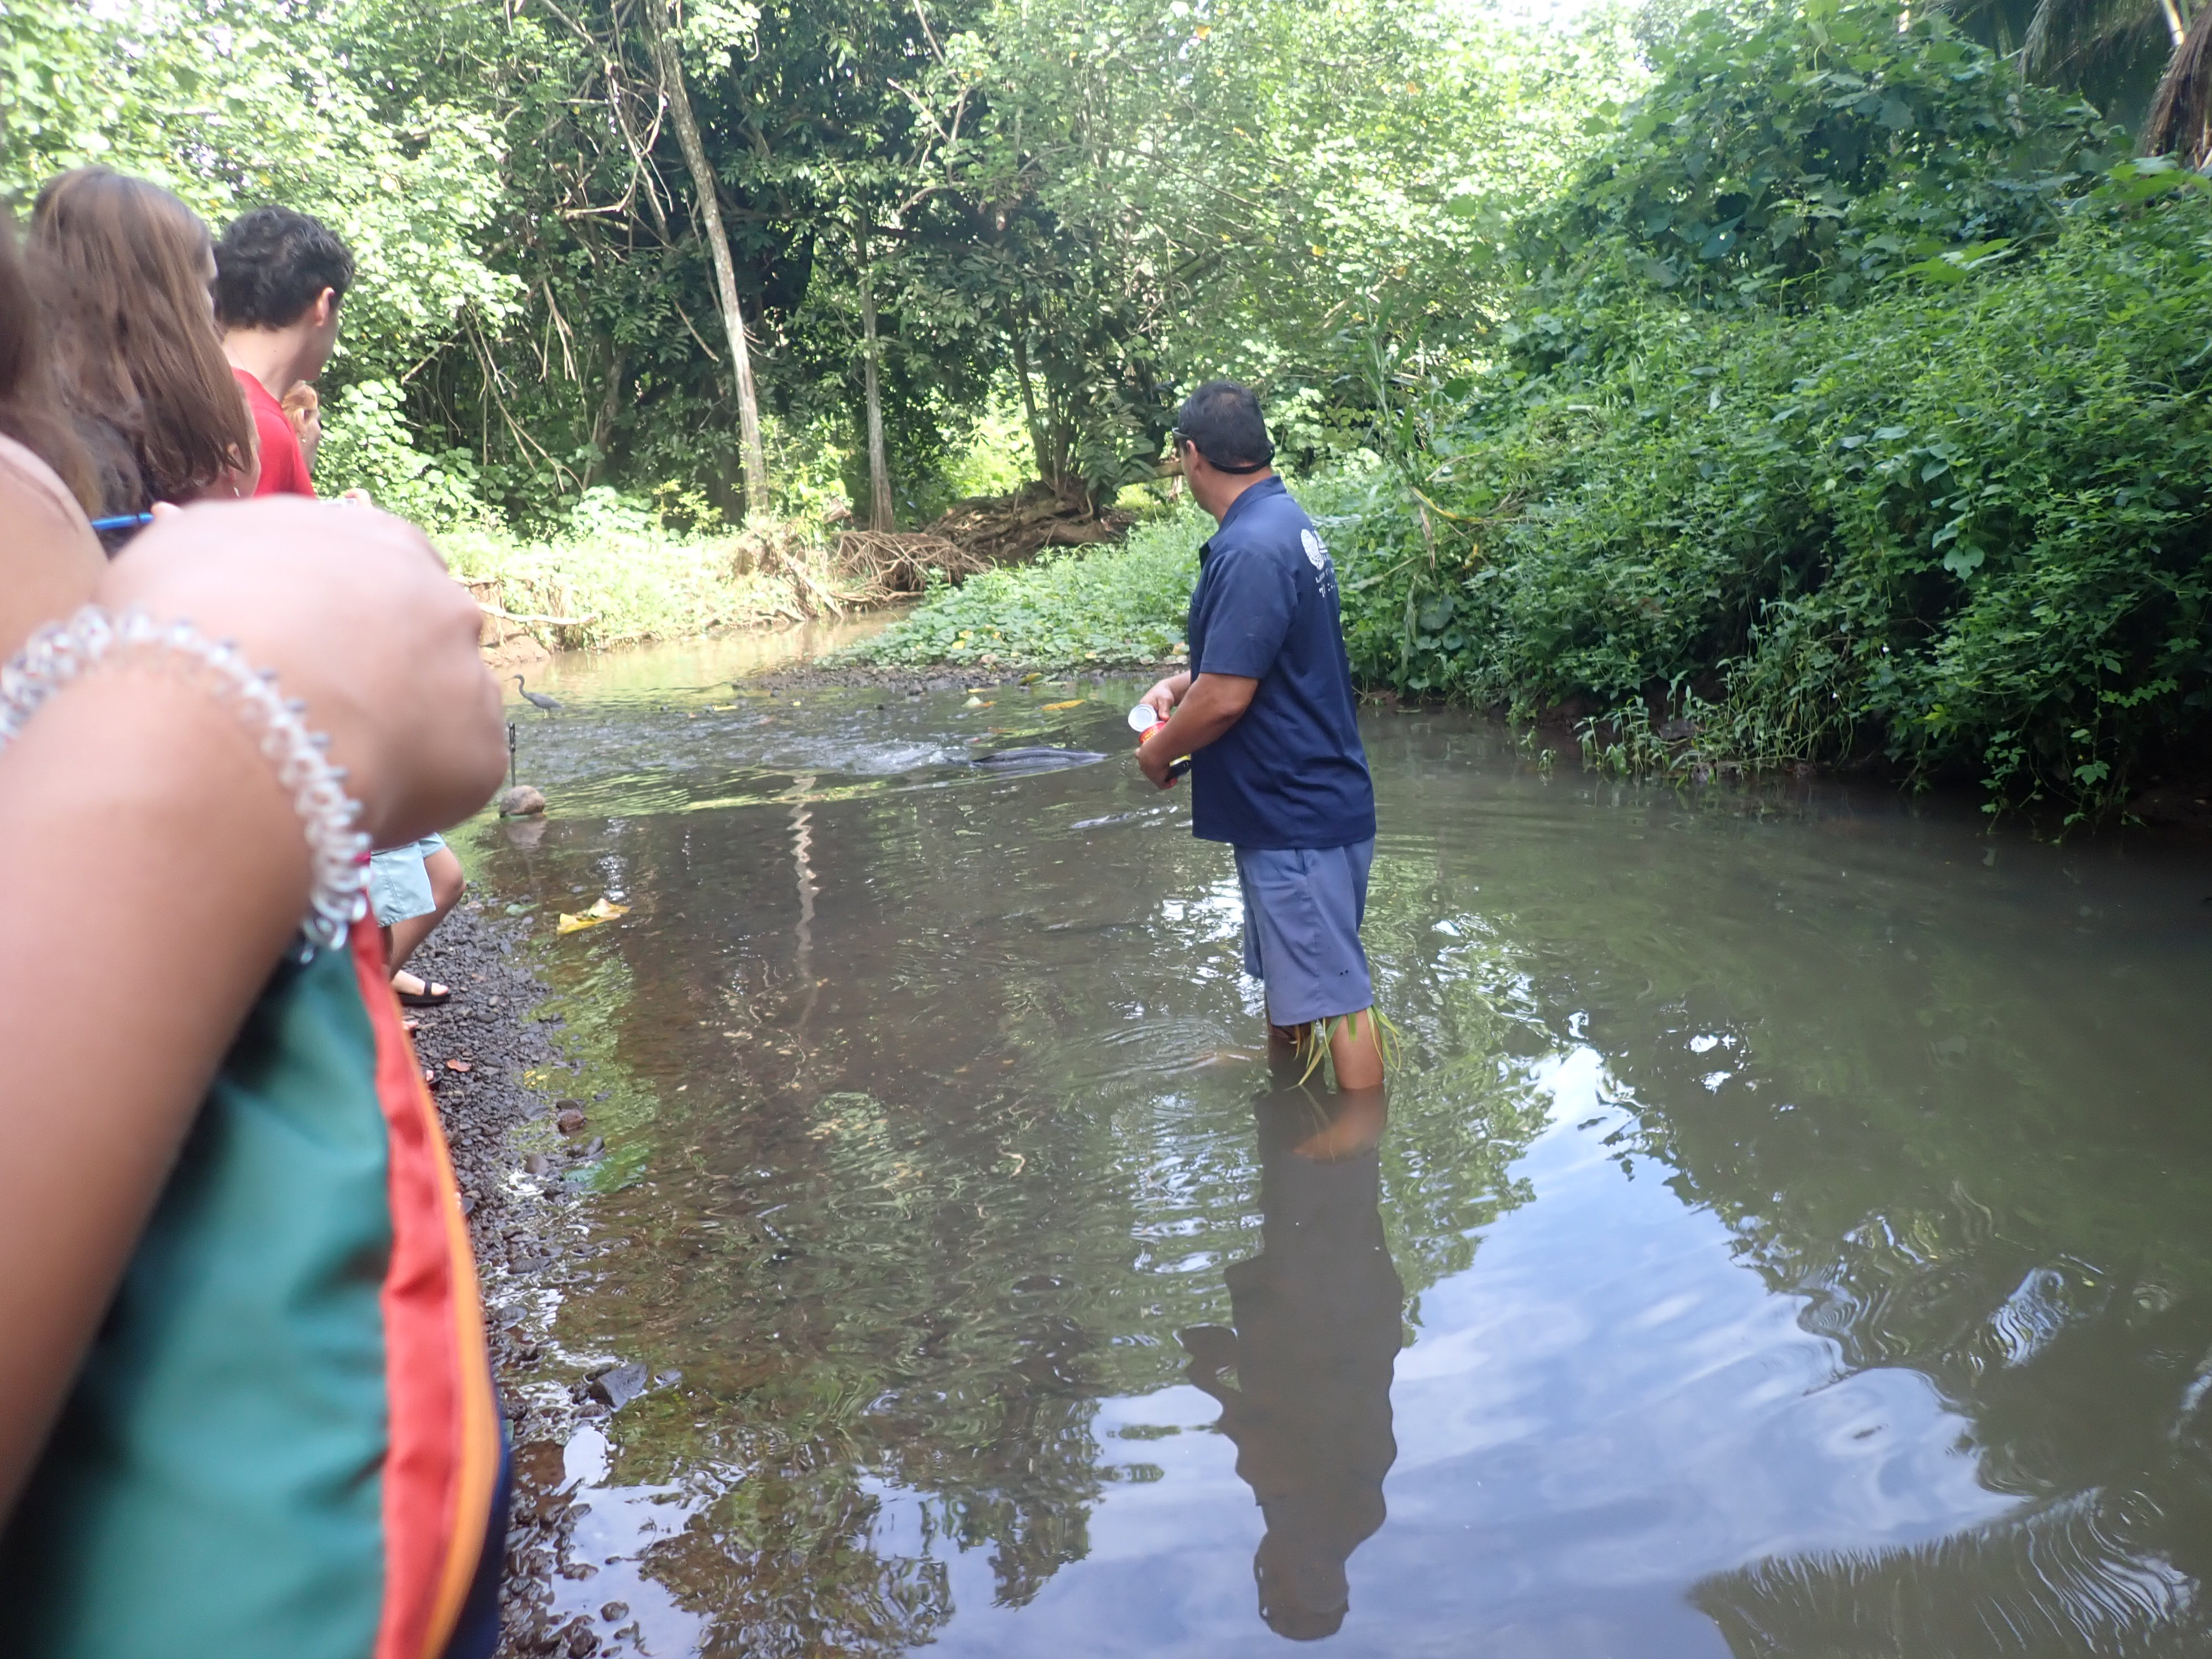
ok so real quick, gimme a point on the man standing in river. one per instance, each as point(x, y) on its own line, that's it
point(1266, 711)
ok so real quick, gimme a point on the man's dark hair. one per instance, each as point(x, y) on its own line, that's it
point(1222, 418)
point(271, 264)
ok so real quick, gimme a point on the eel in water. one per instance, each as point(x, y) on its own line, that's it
point(1014, 762)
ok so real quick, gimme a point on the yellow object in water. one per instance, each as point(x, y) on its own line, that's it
point(605, 910)
point(1073, 703)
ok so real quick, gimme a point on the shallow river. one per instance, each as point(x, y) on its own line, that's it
point(1792, 1234)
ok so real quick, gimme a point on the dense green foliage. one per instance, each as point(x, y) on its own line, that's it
point(1062, 209)
point(232, 103)
point(1962, 525)
point(1855, 406)
point(1802, 160)
point(1820, 382)
point(1920, 477)
point(1271, 192)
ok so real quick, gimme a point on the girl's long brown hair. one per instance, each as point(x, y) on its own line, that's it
point(30, 408)
point(141, 364)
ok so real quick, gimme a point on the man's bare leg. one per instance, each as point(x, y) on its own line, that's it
point(1355, 1049)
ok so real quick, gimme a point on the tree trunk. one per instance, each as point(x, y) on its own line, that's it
point(881, 514)
point(603, 423)
point(708, 195)
point(1045, 471)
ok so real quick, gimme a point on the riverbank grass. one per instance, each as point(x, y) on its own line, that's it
point(627, 578)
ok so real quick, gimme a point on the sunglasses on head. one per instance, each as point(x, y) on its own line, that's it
point(1178, 437)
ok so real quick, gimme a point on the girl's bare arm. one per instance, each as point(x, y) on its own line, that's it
point(152, 872)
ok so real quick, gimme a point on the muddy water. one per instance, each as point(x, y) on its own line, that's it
point(1792, 1234)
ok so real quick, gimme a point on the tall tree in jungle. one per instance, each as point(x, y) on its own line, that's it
point(881, 514)
point(912, 172)
point(668, 61)
point(835, 124)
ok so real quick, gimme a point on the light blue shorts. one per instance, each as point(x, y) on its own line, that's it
point(398, 885)
point(1303, 908)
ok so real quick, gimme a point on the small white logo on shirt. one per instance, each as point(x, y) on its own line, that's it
point(1316, 555)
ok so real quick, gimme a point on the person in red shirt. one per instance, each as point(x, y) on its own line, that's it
point(281, 277)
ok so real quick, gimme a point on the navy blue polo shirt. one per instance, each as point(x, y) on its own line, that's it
point(1291, 772)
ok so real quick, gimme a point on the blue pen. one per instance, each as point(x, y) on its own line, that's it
point(124, 522)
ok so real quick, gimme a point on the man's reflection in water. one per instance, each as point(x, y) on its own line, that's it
point(1317, 1334)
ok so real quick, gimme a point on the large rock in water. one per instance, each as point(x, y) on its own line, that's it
point(620, 1384)
point(520, 802)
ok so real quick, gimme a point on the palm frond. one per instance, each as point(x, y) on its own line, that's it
point(2066, 33)
point(2180, 118)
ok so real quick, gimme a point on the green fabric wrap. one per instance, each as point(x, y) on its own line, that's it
point(212, 1488)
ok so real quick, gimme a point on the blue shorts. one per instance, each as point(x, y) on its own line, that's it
point(398, 885)
point(1303, 908)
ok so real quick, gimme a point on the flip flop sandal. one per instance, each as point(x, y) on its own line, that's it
point(430, 996)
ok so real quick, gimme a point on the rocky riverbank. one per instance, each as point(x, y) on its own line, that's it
point(493, 1067)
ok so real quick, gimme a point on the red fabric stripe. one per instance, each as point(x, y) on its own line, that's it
point(437, 1392)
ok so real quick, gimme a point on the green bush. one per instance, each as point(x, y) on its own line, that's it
point(367, 445)
point(1115, 605)
point(1962, 525)
point(1856, 405)
point(1801, 156)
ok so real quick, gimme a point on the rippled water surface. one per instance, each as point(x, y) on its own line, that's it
point(1792, 1234)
